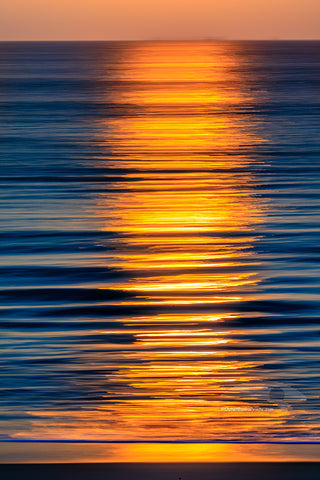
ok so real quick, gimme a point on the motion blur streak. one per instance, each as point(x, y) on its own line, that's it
point(160, 241)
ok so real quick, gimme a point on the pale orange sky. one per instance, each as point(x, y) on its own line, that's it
point(162, 19)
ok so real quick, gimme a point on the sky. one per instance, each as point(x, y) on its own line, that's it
point(159, 19)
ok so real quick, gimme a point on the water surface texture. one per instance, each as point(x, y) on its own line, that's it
point(160, 240)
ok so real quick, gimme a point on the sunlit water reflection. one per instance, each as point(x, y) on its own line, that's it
point(160, 241)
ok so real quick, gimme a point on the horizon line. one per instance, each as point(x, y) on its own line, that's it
point(168, 442)
point(169, 40)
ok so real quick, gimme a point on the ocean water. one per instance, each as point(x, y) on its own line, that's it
point(160, 245)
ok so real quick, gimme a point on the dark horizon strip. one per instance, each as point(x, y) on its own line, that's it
point(229, 442)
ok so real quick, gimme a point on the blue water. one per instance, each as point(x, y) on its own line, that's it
point(160, 240)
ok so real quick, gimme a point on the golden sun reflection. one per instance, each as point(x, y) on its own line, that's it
point(160, 279)
point(183, 216)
